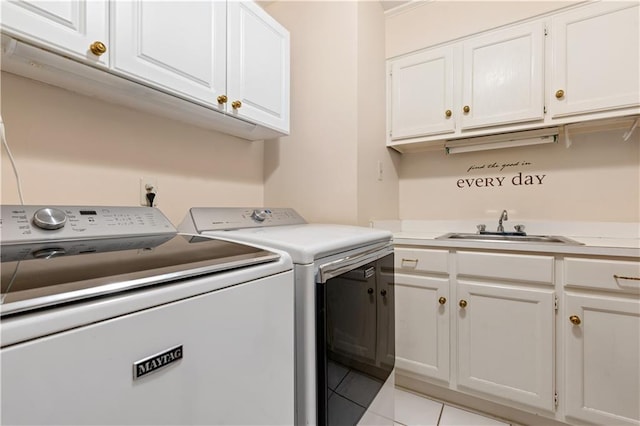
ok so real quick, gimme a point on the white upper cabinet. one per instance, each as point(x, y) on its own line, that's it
point(421, 94)
point(578, 64)
point(503, 77)
point(77, 28)
point(596, 59)
point(179, 46)
point(230, 56)
point(258, 66)
point(485, 81)
point(167, 57)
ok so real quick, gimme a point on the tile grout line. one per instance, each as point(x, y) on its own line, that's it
point(440, 415)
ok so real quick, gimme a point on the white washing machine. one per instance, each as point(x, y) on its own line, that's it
point(345, 338)
point(108, 316)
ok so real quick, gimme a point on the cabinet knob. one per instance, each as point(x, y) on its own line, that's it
point(236, 104)
point(442, 300)
point(222, 99)
point(466, 109)
point(560, 94)
point(383, 293)
point(370, 290)
point(448, 113)
point(98, 48)
point(463, 303)
point(575, 320)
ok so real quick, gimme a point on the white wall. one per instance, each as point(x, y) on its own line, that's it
point(326, 168)
point(72, 149)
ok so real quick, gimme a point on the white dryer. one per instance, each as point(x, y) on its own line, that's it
point(345, 337)
point(108, 316)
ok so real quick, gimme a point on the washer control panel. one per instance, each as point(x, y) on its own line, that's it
point(27, 224)
point(228, 218)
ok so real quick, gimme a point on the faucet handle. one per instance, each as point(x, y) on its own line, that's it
point(519, 228)
point(481, 228)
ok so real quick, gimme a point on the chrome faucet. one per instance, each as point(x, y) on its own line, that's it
point(503, 216)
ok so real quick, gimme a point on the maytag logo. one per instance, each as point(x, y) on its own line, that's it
point(156, 362)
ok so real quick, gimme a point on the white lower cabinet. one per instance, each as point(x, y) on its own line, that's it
point(422, 326)
point(602, 341)
point(422, 313)
point(553, 335)
point(506, 342)
point(505, 317)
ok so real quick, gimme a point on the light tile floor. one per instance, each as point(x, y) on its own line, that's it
point(414, 410)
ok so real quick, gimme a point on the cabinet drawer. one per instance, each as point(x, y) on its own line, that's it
point(618, 275)
point(506, 266)
point(421, 260)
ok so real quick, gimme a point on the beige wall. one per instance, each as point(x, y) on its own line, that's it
point(377, 199)
point(72, 149)
point(326, 168)
point(596, 179)
point(432, 22)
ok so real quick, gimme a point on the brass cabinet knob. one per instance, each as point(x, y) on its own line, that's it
point(575, 320)
point(560, 94)
point(236, 104)
point(466, 109)
point(442, 300)
point(222, 99)
point(448, 113)
point(98, 48)
point(463, 303)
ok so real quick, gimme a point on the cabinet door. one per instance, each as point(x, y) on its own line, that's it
point(178, 47)
point(603, 359)
point(68, 27)
point(422, 94)
point(506, 342)
point(258, 67)
point(503, 74)
point(422, 326)
point(596, 57)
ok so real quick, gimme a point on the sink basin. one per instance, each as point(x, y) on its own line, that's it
point(509, 238)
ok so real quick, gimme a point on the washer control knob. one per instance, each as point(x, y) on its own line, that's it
point(260, 215)
point(49, 218)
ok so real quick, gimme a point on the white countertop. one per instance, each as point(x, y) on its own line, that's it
point(597, 238)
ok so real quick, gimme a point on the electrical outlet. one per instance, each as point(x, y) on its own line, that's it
point(148, 185)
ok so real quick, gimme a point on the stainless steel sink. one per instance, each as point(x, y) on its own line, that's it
point(509, 238)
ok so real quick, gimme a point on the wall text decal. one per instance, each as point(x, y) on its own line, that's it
point(519, 179)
